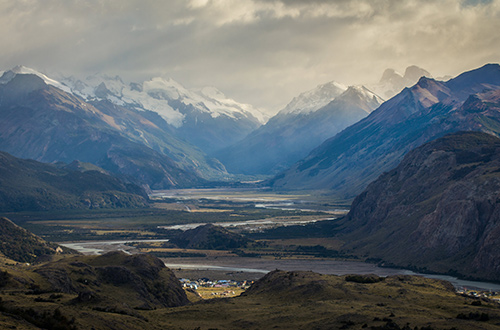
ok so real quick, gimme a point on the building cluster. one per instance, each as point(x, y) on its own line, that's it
point(490, 295)
point(206, 283)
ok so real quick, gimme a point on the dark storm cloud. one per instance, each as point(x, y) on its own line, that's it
point(257, 51)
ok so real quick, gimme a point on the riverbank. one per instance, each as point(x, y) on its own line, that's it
point(238, 268)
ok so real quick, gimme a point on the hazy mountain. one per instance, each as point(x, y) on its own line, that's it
point(438, 209)
point(314, 99)
point(9, 75)
point(204, 117)
point(346, 163)
point(45, 123)
point(27, 185)
point(302, 125)
point(392, 82)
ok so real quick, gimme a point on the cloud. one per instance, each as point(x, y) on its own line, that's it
point(258, 51)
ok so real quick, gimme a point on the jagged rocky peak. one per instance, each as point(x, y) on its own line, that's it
point(390, 75)
point(414, 73)
point(392, 82)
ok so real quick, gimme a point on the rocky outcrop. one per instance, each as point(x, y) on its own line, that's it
point(437, 211)
point(210, 237)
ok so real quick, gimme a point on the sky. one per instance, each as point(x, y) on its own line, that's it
point(261, 52)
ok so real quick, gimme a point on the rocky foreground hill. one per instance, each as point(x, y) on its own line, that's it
point(20, 245)
point(438, 210)
point(136, 292)
point(120, 291)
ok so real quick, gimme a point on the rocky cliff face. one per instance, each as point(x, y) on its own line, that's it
point(438, 210)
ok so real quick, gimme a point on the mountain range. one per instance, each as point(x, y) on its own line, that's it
point(308, 120)
point(437, 211)
point(204, 117)
point(346, 163)
point(43, 122)
point(303, 124)
point(159, 134)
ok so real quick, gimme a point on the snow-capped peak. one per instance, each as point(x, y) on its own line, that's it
point(361, 91)
point(165, 88)
point(157, 94)
point(361, 96)
point(212, 92)
point(217, 102)
point(314, 99)
point(20, 69)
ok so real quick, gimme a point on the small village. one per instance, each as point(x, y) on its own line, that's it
point(480, 294)
point(208, 289)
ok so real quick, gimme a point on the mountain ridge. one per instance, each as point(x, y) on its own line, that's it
point(292, 133)
point(27, 185)
point(346, 163)
point(45, 123)
point(436, 211)
point(215, 118)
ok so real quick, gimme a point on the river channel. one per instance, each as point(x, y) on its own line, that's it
point(263, 266)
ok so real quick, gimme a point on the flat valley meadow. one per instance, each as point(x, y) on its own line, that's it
point(274, 222)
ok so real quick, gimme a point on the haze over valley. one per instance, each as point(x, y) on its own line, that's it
point(211, 164)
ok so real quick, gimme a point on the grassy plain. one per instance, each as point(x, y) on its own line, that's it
point(78, 225)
